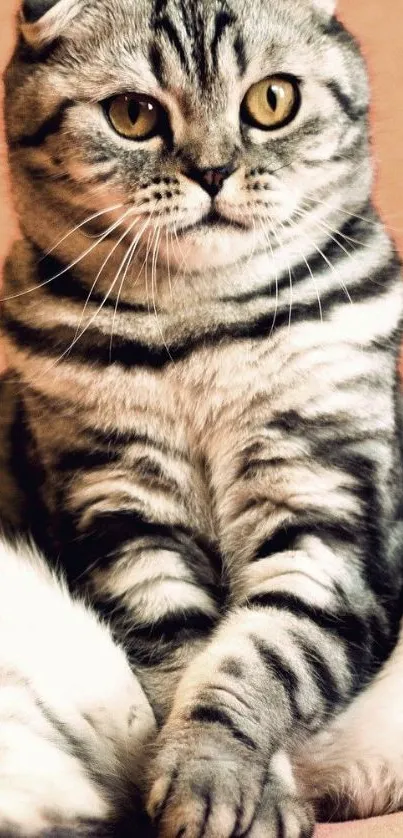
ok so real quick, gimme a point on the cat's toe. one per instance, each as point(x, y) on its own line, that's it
point(205, 788)
point(280, 816)
point(199, 792)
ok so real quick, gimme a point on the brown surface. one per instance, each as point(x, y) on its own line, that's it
point(388, 827)
point(379, 25)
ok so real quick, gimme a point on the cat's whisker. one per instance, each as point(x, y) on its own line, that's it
point(350, 255)
point(183, 263)
point(104, 263)
point(313, 279)
point(167, 243)
point(126, 263)
point(337, 208)
point(267, 237)
point(329, 263)
point(150, 241)
point(71, 265)
point(79, 335)
point(280, 244)
point(154, 263)
point(107, 295)
point(144, 265)
point(337, 232)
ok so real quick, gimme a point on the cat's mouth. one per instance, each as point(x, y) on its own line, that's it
point(212, 220)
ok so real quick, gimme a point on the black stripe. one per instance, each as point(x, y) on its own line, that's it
point(109, 532)
point(239, 818)
point(371, 534)
point(348, 626)
point(208, 805)
point(346, 104)
point(287, 536)
point(100, 177)
point(350, 629)
point(240, 53)
point(152, 644)
point(250, 468)
point(196, 30)
point(33, 10)
point(74, 745)
point(191, 623)
point(118, 438)
point(160, 7)
point(281, 830)
point(85, 458)
point(152, 473)
point(321, 672)
point(61, 283)
point(28, 54)
point(157, 63)
point(165, 26)
point(27, 469)
point(94, 348)
point(224, 19)
point(353, 228)
point(50, 126)
point(278, 668)
point(233, 667)
point(206, 714)
point(335, 29)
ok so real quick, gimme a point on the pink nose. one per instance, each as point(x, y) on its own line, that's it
point(211, 180)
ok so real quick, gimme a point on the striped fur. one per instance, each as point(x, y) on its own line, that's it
point(201, 423)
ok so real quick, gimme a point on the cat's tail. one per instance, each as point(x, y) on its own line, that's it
point(74, 720)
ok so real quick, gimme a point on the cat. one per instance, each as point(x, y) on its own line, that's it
point(201, 491)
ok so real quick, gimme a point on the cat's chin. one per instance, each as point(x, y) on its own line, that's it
point(209, 245)
point(200, 248)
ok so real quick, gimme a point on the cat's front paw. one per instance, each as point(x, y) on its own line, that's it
point(205, 785)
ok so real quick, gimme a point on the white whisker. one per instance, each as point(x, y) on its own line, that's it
point(71, 265)
point(328, 262)
point(82, 224)
point(104, 263)
point(128, 258)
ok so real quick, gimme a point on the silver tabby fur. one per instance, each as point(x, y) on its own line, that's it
point(201, 477)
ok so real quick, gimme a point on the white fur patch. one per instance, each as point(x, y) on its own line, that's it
point(63, 681)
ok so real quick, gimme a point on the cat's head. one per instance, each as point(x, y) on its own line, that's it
point(218, 123)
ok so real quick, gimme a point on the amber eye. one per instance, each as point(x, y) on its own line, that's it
point(271, 103)
point(135, 117)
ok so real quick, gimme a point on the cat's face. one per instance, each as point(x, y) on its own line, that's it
point(218, 122)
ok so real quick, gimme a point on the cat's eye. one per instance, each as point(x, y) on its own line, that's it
point(272, 103)
point(135, 117)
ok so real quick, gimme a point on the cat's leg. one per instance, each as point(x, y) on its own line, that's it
point(314, 620)
point(354, 768)
point(136, 539)
point(74, 721)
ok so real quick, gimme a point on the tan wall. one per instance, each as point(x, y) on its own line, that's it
point(379, 25)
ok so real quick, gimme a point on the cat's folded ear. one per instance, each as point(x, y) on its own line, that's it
point(44, 20)
point(327, 6)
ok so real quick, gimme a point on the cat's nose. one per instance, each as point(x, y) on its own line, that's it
point(211, 180)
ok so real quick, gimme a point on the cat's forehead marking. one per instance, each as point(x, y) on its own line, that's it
point(195, 32)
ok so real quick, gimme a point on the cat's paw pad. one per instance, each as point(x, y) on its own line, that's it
point(205, 787)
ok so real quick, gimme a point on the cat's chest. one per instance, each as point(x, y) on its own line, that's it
point(230, 385)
